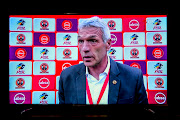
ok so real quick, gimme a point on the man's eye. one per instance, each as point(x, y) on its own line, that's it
point(80, 41)
point(93, 41)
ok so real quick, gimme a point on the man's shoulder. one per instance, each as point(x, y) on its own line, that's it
point(127, 69)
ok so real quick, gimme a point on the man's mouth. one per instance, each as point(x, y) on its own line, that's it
point(87, 58)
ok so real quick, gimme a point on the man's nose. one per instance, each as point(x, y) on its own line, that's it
point(85, 47)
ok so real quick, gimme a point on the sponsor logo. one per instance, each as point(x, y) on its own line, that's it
point(134, 53)
point(66, 65)
point(67, 24)
point(44, 39)
point(133, 38)
point(20, 83)
point(111, 24)
point(160, 98)
point(158, 53)
point(44, 24)
point(133, 24)
point(67, 54)
point(159, 82)
point(44, 83)
point(20, 68)
point(21, 23)
point(136, 65)
point(113, 39)
point(20, 53)
point(19, 98)
point(157, 38)
point(111, 53)
point(20, 39)
point(158, 67)
point(156, 24)
point(43, 98)
point(66, 39)
point(44, 54)
point(44, 67)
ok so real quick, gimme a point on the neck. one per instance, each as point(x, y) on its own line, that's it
point(98, 69)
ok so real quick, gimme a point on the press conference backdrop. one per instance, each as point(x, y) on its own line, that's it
point(41, 46)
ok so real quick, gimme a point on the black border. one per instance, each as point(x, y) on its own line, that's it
point(86, 111)
point(127, 10)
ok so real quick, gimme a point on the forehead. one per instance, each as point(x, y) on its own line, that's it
point(90, 31)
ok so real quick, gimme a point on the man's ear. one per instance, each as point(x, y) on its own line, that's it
point(108, 44)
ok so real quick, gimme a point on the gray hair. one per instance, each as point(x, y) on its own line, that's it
point(96, 22)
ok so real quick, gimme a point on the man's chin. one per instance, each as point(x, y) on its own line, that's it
point(88, 63)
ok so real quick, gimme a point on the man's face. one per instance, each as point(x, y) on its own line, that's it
point(91, 46)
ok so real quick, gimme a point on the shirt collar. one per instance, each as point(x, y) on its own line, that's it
point(105, 71)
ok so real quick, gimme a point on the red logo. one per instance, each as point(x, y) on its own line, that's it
point(67, 54)
point(44, 24)
point(160, 98)
point(67, 24)
point(158, 53)
point(44, 68)
point(19, 98)
point(44, 39)
point(20, 38)
point(134, 53)
point(20, 83)
point(133, 24)
point(157, 38)
point(135, 65)
point(20, 53)
point(111, 24)
point(44, 82)
point(159, 82)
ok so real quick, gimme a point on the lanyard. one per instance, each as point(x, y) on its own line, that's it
point(102, 90)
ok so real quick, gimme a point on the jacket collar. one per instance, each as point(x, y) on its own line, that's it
point(114, 83)
point(82, 70)
point(114, 68)
point(81, 84)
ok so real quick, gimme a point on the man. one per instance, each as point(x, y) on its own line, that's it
point(99, 79)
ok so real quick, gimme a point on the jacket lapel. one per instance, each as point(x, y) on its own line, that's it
point(81, 85)
point(113, 86)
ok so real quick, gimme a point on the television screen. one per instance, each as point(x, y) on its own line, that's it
point(41, 46)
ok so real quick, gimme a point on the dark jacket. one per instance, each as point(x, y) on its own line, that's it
point(129, 88)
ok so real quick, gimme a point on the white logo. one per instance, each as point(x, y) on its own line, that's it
point(114, 39)
point(66, 65)
point(44, 82)
point(19, 98)
point(133, 24)
point(160, 98)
